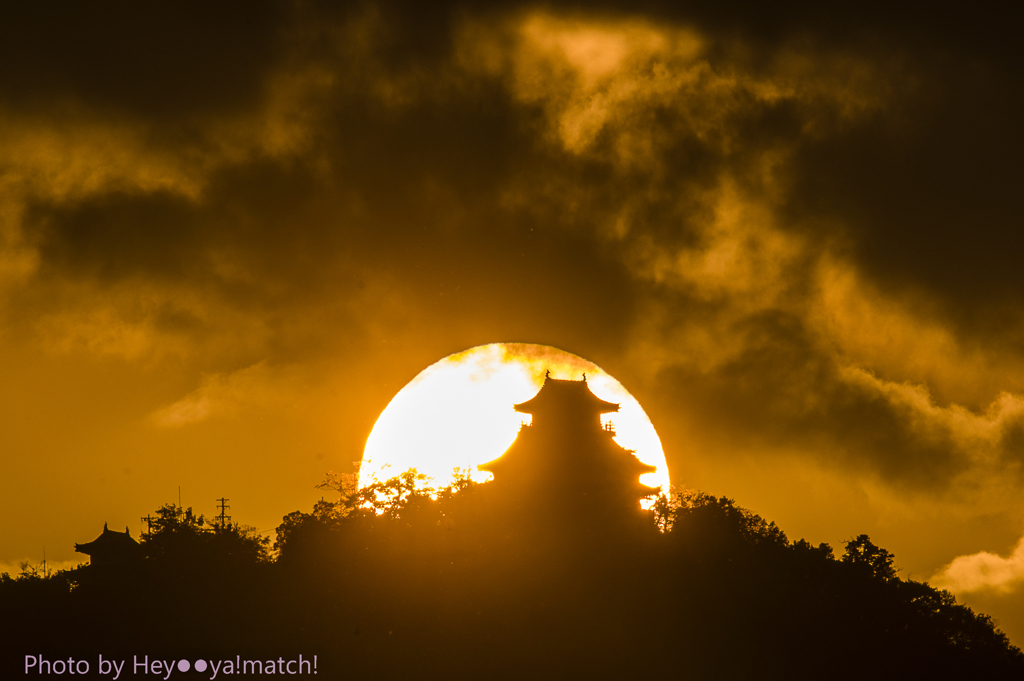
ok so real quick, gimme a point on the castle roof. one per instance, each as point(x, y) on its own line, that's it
point(557, 394)
point(566, 444)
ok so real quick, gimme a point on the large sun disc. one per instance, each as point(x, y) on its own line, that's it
point(458, 413)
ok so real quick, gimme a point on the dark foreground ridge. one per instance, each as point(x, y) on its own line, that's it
point(451, 588)
point(528, 577)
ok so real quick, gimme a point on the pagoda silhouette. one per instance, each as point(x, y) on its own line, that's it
point(111, 549)
point(565, 467)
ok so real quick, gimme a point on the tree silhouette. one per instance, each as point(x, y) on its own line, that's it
point(179, 536)
point(873, 560)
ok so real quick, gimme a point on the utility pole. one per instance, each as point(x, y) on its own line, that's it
point(223, 518)
point(149, 523)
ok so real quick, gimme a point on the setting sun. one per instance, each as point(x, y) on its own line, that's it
point(458, 413)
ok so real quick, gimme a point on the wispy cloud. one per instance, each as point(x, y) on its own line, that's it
point(227, 393)
point(983, 571)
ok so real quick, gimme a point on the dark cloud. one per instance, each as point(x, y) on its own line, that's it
point(161, 59)
point(114, 236)
point(782, 392)
point(931, 197)
point(542, 196)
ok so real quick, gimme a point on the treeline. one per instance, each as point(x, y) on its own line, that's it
point(397, 581)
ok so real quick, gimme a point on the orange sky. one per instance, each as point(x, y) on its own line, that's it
point(228, 236)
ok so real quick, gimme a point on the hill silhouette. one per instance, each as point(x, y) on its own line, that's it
point(531, 576)
point(416, 586)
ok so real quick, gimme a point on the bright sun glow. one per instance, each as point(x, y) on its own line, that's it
point(457, 413)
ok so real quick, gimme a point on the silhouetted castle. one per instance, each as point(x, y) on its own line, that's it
point(111, 548)
point(565, 464)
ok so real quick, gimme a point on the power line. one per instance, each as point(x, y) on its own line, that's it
point(223, 518)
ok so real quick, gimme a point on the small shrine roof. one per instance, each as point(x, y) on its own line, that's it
point(109, 540)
